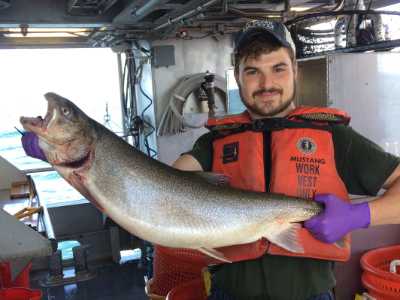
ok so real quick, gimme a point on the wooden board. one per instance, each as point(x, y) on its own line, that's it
point(20, 189)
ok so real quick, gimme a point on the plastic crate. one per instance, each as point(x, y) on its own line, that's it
point(149, 291)
point(175, 266)
point(18, 293)
point(380, 282)
point(192, 290)
point(22, 280)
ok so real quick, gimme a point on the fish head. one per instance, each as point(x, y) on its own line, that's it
point(64, 133)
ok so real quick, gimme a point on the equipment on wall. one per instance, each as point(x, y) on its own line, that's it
point(358, 28)
point(208, 87)
point(185, 108)
point(137, 128)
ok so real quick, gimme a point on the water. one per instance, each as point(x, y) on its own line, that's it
point(52, 189)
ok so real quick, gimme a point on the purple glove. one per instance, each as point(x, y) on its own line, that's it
point(338, 218)
point(30, 143)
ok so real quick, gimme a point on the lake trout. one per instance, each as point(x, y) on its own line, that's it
point(154, 201)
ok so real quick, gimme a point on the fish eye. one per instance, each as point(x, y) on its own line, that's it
point(65, 111)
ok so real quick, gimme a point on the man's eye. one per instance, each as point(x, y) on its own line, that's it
point(251, 72)
point(280, 69)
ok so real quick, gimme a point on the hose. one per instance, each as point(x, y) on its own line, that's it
point(172, 120)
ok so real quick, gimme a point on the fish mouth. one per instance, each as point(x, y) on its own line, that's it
point(39, 124)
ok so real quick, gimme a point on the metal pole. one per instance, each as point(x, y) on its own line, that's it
point(122, 96)
point(187, 14)
point(146, 8)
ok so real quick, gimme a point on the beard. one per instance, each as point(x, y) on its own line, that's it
point(277, 110)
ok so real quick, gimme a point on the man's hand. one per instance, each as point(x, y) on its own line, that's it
point(338, 218)
point(30, 143)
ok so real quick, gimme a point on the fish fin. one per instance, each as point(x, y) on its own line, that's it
point(214, 253)
point(214, 178)
point(340, 243)
point(285, 235)
point(76, 181)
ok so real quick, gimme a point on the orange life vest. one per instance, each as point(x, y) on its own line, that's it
point(292, 156)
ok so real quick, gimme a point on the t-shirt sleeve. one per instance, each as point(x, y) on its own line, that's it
point(202, 151)
point(362, 164)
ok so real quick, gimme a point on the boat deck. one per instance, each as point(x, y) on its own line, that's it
point(112, 282)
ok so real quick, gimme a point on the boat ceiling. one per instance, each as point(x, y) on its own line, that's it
point(108, 23)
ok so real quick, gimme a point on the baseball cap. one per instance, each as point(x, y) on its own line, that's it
point(257, 27)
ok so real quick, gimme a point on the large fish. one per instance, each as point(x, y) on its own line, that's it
point(154, 201)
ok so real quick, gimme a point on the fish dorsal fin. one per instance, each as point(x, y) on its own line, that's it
point(214, 178)
point(285, 235)
point(214, 253)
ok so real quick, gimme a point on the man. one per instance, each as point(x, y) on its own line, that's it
point(272, 148)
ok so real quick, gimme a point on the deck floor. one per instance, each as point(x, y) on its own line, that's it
point(112, 282)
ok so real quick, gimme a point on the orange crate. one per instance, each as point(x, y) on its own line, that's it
point(192, 290)
point(22, 280)
point(18, 293)
point(175, 266)
point(377, 278)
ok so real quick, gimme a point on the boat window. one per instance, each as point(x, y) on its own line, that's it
point(87, 76)
point(391, 21)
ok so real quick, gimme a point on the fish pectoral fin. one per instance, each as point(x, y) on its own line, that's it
point(285, 235)
point(214, 178)
point(214, 253)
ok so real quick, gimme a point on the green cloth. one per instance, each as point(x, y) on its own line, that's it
point(363, 167)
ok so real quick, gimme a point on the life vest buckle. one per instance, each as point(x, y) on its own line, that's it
point(269, 124)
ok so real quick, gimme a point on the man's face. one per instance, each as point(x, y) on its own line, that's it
point(267, 84)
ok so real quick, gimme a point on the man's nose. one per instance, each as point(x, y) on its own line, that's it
point(266, 81)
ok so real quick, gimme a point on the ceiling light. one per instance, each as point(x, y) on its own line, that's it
point(44, 32)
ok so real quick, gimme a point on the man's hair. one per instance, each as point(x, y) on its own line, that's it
point(260, 44)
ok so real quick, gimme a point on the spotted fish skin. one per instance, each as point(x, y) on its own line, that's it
point(154, 201)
